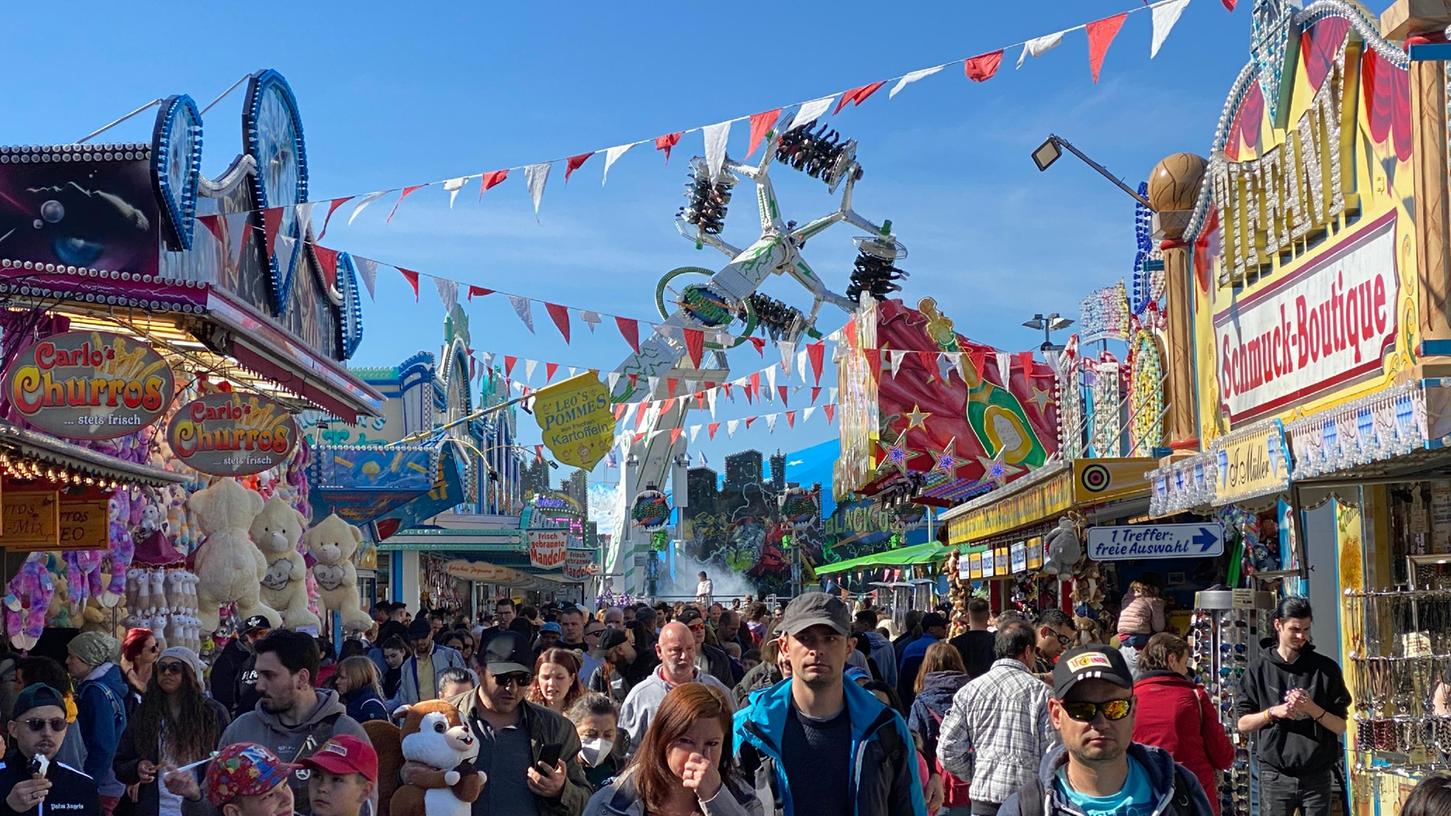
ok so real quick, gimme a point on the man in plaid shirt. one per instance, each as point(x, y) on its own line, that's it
point(998, 730)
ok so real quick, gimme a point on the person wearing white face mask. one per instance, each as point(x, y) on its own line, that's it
point(602, 754)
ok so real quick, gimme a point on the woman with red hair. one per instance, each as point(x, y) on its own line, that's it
point(139, 652)
point(685, 764)
point(556, 680)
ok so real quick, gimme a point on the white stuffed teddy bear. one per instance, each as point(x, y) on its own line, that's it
point(332, 543)
point(276, 532)
point(230, 568)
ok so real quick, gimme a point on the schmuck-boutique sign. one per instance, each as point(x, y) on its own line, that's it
point(89, 385)
point(231, 434)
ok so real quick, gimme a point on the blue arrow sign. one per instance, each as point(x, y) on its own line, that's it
point(1149, 541)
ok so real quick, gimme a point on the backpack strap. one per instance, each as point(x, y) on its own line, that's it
point(1183, 801)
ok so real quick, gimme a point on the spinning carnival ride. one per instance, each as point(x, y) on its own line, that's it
point(730, 294)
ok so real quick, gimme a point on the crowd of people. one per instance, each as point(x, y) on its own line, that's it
point(718, 709)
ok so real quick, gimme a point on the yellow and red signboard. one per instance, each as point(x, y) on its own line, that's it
point(547, 548)
point(232, 434)
point(89, 385)
point(575, 420)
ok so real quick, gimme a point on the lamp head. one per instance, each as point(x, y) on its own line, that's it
point(1047, 153)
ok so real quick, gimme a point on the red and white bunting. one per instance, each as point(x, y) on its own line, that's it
point(1100, 36)
point(523, 308)
point(535, 177)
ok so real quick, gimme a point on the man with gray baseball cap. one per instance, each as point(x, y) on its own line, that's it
point(818, 743)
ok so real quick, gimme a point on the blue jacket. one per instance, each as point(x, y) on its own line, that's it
point(444, 658)
point(883, 655)
point(1158, 764)
point(364, 705)
point(101, 715)
point(884, 778)
point(912, 658)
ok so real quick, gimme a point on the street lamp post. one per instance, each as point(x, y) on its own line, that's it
point(1048, 324)
point(1052, 149)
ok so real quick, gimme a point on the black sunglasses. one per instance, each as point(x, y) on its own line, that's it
point(1113, 710)
point(38, 724)
point(168, 668)
point(519, 679)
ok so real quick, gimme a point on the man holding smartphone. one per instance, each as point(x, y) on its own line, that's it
point(529, 752)
point(29, 776)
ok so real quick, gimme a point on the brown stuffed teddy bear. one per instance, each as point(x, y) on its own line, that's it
point(435, 735)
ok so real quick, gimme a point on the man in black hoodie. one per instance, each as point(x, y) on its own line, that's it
point(1298, 701)
point(234, 674)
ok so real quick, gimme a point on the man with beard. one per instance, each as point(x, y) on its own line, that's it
point(817, 743)
point(1099, 768)
point(36, 729)
point(676, 650)
point(234, 674)
point(292, 718)
point(512, 733)
point(420, 673)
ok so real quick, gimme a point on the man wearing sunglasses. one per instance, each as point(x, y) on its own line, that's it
point(1099, 769)
point(512, 734)
point(36, 729)
point(1055, 636)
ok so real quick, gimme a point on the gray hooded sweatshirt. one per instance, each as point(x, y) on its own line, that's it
point(289, 742)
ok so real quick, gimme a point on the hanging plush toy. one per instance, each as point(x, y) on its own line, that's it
point(83, 574)
point(26, 604)
point(332, 543)
point(123, 548)
point(1063, 548)
point(276, 531)
point(230, 568)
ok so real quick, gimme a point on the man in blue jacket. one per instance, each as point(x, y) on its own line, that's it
point(100, 708)
point(822, 742)
point(1099, 768)
point(423, 670)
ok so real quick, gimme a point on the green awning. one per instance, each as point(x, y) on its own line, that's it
point(902, 556)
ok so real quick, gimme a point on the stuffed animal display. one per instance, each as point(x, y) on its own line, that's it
point(123, 548)
point(1063, 548)
point(434, 735)
point(27, 602)
point(164, 601)
point(276, 531)
point(332, 543)
point(231, 569)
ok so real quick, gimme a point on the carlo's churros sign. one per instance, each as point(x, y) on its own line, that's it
point(231, 434)
point(89, 385)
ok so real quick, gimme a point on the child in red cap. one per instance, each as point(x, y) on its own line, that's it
point(344, 771)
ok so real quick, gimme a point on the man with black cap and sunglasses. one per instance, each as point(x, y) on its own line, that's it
point(1099, 769)
point(529, 753)
point(31, 781)
point(234, 673)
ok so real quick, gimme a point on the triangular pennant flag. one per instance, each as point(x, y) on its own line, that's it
point(363, 204)
point(760, 344)
point(613, 155)
point(573, 163)
point(751, 419)
point(640, 409)
point(480, 291)
point(1165, 15)
point(490, 180)
point(770, 381)
point(978, 358)
point(590, 318)
point(550, 369)
point(946, 365)
point(509, 362)
point(695, 345)
point(908, 79)
point(286, 245)
point(761, 124)
point(712, 428)
point(271, 225)
point(1228, 4)
point(831, 396)
point(368, 271)
point(894, 361)
point(806, 414)
point(694, 432)
point(447, 292)
point(522, 307)
point(727, 387)
point(1005, 366)
point(1100, 37)
point(612, 379)
point(815, 393)
point(790, 419)
point(731, 426)
point(619, 411)
point(535, 177)
point(783, 391)
point(529, 368)
point(1038, 46)
point(710, 398)
point(304, 217)
point(716, 136)
point(332, 208)
point(634, 380)
point(412, 278)
point(328, 260)
point(452, 186)
point(671, 384)
point(816, 353)
point(830, 410)
point(407, 191)
point(788, 350)
point(858, 95)
point(811, 111)
point(630, 330)
point(667, 142)
point(675, 436)
point(1025, 362)
point(982, 67)
point(771, 422)
point(560, 315)
point(699, 399)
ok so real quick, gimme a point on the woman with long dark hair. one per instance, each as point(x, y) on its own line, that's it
point(556, 680)
point(685, 765)
point(175, 724)
point(139, 653)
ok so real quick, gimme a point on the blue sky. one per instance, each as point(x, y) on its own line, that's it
point(393, 94)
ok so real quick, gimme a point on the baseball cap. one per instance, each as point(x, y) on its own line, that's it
point(1090, 663)
point(345, 754)
point(689, 615)
point(243, 769)
point(420, 628)
point(254, 623)
point(551, 627)
point(815, 609)
point(36, 695)
point(615, 637)
point(504, 652)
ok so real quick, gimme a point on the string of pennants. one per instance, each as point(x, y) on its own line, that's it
point(982, 67)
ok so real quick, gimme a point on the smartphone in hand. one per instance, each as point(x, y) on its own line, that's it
point(549, 757)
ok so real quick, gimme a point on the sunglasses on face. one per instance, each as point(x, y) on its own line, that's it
point(519, 679)
point(38, 724)
point(1063, 640)
point(1112, 710)
point(168, 668)
point(697, 627)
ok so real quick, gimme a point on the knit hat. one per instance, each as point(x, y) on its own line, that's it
point(94, 648)
point(188, 657)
